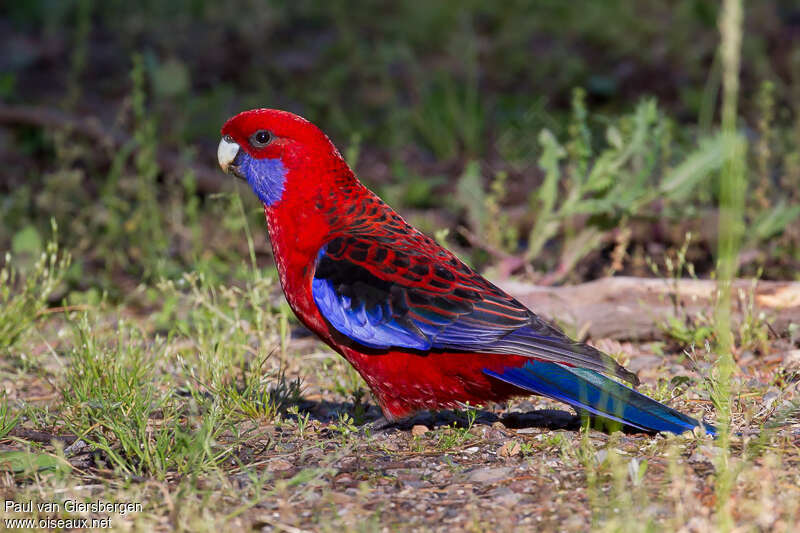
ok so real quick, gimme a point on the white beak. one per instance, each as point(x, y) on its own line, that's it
point(226, 153)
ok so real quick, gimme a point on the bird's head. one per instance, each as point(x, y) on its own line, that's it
point(276, 150)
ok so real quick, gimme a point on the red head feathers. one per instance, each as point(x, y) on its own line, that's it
point(274, 150)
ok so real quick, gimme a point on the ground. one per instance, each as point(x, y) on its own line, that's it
point(227, 441)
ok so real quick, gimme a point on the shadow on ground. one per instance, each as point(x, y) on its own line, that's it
point(327, 411)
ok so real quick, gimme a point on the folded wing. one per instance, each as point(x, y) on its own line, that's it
point(391, 293)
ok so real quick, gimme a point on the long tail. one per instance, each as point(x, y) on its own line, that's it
point(593, 392)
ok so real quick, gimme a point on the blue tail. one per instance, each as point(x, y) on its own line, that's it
point(593, 392)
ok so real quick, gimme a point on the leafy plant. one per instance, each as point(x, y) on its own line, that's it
point(456, 434)
point(616, 183)
point(301, 419)
point(24, 296)
point(345, 426)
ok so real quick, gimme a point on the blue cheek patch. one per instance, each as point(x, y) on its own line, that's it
point(267, 177)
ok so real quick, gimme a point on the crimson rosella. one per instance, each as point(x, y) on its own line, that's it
point(422, 328)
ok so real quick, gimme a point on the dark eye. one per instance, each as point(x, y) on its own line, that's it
point(260, 139)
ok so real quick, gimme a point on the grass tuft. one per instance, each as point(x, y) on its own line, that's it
point(24, 296)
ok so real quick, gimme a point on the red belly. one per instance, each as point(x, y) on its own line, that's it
point(405, 383)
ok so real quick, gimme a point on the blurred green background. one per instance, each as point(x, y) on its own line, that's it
point(561, 141)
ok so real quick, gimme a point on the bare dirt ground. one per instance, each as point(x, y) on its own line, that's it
point(528, 465)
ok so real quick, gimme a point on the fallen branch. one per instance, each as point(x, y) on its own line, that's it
point(637, 308)
point(41, 436)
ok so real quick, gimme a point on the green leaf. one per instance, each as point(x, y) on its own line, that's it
point(773, 221)
point(552, 153)
point(27, 241)
point(544, 201)
point(22, 461)
point(471, 196)
point(707, 158)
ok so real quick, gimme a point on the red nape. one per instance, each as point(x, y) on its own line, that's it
point(407, 382)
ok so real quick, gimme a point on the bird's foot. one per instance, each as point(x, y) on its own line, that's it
point(380, 425)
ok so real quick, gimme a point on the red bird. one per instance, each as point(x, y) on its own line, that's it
point(423, 329)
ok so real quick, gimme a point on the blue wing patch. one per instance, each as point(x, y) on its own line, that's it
point(373, 327)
